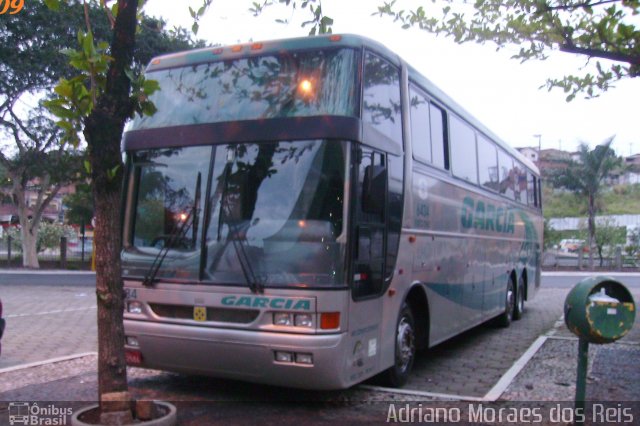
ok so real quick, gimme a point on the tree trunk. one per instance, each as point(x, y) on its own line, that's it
point(103, 132)
point(28, 228)
point(29, 233)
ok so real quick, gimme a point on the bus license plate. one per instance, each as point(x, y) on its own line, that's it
point(199, 313)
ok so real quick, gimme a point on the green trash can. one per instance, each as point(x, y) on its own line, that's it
point(599, 310)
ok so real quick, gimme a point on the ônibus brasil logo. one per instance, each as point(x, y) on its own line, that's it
point(32, 414)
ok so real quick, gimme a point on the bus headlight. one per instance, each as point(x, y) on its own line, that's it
point(134, 307)
point(303, 320)
point(133, 341)
point(282, 318)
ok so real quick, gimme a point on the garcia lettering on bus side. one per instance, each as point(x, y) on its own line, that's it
point(486, 216)
point(267, 302)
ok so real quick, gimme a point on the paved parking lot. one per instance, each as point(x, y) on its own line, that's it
point(45, 322)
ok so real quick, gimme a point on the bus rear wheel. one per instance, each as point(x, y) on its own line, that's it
point(405, 350)
point(518, 309)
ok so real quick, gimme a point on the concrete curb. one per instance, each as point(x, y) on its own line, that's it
point(44, 272)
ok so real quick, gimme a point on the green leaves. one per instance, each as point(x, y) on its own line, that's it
point(142, 89)
point(53, 4)
point(197, 14)
point(319, 22)
point(592, 28)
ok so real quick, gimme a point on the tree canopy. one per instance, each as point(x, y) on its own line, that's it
point(35, 155)
point(603, 31)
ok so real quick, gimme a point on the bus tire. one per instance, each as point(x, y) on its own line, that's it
point(405, 350)
point(504, 320)
point(518, 309)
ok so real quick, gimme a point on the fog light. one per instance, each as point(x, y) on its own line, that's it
point(134, 307)
point(303, 320)
point(133, 357)
point(132, 341)
point(284, 356)
point(304, 359)
point(282, 318)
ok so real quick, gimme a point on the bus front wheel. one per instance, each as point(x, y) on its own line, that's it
point(405, 350)
point(504, 320)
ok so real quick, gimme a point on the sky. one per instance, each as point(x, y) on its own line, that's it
point(501, 92)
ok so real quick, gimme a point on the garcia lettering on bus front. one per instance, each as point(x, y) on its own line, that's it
point(267, 302)
point(486, 216)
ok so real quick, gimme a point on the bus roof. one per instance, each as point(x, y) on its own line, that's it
point(221, 53)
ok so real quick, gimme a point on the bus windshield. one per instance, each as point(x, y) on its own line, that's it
point(321, 82)
point(277, 207)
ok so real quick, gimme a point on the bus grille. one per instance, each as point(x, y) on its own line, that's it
point(239, 316)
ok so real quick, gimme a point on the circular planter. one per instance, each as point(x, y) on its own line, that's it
point(169, 417)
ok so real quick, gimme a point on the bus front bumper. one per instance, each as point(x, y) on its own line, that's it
point(242, 354)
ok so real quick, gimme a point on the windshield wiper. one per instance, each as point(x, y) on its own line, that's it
point(236, 237)
point(177, 234)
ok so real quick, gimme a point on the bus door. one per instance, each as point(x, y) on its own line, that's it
point(369, 247)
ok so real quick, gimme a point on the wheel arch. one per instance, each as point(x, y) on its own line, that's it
point(525, 282)
point(418, 302)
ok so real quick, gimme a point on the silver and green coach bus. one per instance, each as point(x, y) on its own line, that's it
point(311, 212)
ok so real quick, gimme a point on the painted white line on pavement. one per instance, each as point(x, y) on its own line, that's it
point(506, 379)
point(422, 393)
point(60, 311)
point(48, 361)
point(498, 389)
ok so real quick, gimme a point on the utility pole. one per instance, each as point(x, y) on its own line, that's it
point(539, 136)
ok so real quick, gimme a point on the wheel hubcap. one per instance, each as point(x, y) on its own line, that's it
point(405, 344)
point(510, 300)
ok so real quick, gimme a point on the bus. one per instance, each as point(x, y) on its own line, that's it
point(312, 212)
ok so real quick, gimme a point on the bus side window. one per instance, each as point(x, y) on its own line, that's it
point(439, 141)
point(381, 97)
point(463, 150)
point(521, 183)
point(487, 163)
point(507, 175)
point(420, 128)
point(539, 193)
point(531, 190)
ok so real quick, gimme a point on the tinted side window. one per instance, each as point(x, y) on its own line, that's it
point(539, 192)
point(439, 148)
point(531, 190)
point(420, 129)
point(381, 97)
point(463, 150)
point(507, 174)
point(521, 183)
point(487, 163)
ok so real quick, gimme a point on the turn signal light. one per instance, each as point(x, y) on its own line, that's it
point(329, 320)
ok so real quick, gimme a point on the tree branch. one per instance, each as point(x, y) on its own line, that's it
point(579, 5)
point(20, 124)
point(599, 53)
point(110, 17)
